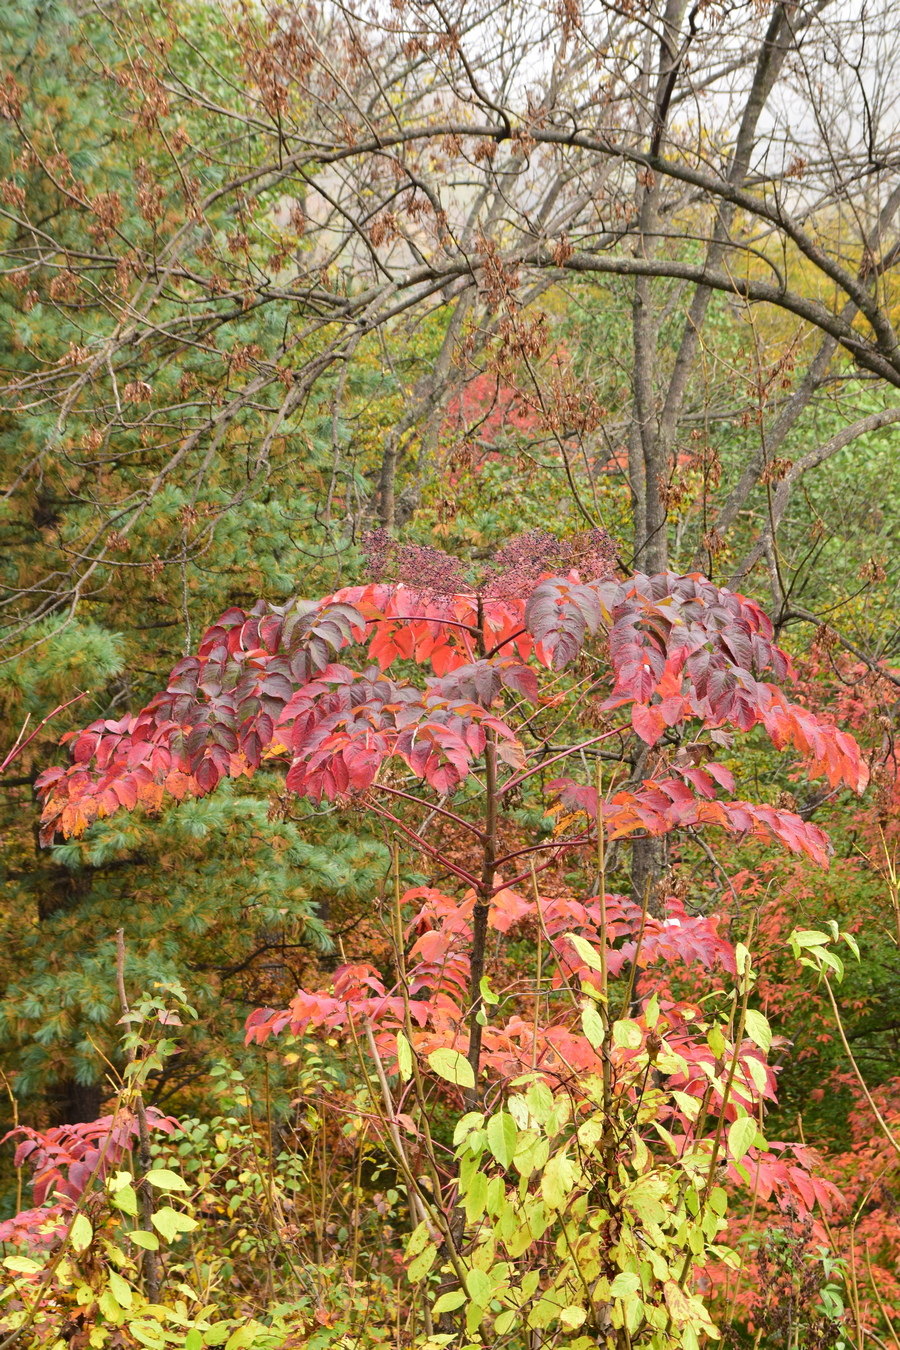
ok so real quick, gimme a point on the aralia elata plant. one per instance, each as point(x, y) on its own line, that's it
point(582, 1195)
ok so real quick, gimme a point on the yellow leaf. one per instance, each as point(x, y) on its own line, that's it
point(81, 1233)
point(677, 1302)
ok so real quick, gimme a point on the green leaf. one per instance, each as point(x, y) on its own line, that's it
point(217, 1334)
point(851, 943)
point(487, 992)
point(718, 1200)
point(495, 1200)
point(147, 1332)
point(171, 1222)
point(757, 1071)
point(758, 1029)
point(120, 1289)
point(480, 1286)
point(22, 1265)
point(141, 1238)
point(474, 1317)
point(125, 1199)
point(667, 1138)
point(242, 1337)
point(833, 960)
point(475, 1197)
point(677, 1302)
point(452, 1066)
point(741, 958)
point(81, 1233)
point(501, 1136)
point(539, 1100)
point(626, 1033)
point(466, 1125)
point(572, 1317)
point(166, 1180)
point(624, 1285)
point(504, 1321)
point(808, 937)
point(646, 1197)
point(557, 1180)
point(449, 1302)
point(741, 1134)
point(586, 952)
point(715, 1039)
point(110, 1308)
point(417, 1239)
point(419, 1268)
point(688, 1105)
point(591, 1131)
point(592, 1024)
point(404, 1057)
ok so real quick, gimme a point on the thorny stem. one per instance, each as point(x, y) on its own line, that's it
point(15, 1115)
point(421, 1204)
point(484, 891)
point(877, 1292)
point(397, 933)
point(604, 972)
point(720, 1124)
point(540, 971)
point(453, 1225)
point(885, 1128)
point(415, 1201)
point(142, 1160)
point(480, 918)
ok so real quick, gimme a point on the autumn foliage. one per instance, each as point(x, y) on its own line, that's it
point(626, 1079)
point(268, 685)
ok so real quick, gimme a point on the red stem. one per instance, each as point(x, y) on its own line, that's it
point(500, 645)
point(541, 848)
point(428, 806)
point(426, 848)
point(563, 754)
point(20, 745)
point(514, 881)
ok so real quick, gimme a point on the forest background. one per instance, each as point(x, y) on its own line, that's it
point(279, 285)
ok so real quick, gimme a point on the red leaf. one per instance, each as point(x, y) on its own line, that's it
point(648, 722)
point(507, 909)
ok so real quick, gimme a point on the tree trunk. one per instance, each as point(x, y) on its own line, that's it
point(648, 447)
point(71, 1102)
point(387, 484)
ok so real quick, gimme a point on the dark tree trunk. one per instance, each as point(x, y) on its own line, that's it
point(71, 1102)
